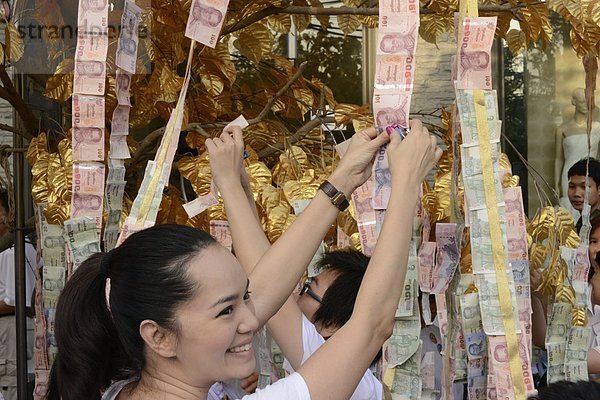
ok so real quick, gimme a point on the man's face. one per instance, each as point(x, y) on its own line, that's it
point(319, 286)
point(478, 59)
point(88, 135)
point(95, 5)
point(576, 192)
point(594, 246)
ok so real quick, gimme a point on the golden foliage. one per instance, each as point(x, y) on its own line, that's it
point(348, 23)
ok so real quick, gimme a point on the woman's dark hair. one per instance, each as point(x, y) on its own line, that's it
point(580, 167)
point(148, 280)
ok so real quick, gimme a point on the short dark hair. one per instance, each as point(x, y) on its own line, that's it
point(149, 280)
point(579, 168)
point(581, 390)
point(349, 267)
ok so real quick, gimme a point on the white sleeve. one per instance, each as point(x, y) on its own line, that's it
point(291, 388)
point(369, 387)
point(7, 277)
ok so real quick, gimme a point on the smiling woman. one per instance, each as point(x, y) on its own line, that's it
point(169, 313)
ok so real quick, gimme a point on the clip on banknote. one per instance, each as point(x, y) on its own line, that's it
point(398, 129)
point(246, 154)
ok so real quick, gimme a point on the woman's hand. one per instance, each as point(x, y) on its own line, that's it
point(355, 167)
point(414, 156)
point(226, 155)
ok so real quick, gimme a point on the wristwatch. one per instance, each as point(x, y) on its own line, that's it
point(338, 198)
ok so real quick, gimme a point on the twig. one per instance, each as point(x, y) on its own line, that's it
point(300, 133)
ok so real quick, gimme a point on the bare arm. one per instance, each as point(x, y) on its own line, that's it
point(336, 368)
point(269, 282)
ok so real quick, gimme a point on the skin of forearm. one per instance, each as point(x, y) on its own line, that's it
point(390, 257)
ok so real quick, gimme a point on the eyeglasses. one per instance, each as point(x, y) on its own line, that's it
point(306, 289)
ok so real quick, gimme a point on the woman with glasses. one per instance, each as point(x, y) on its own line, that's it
point(171, 312)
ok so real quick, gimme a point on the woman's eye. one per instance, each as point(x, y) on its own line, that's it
point(247, 295)
point(226, 311)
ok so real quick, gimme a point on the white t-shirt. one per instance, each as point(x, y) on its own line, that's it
point(7, 274)
point(369, 387)
point(291, 388)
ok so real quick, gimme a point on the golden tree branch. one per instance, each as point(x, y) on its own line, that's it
point(304, 10)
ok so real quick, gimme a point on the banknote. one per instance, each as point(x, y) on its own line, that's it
point(54, 281)
point(428, 370)
point(516, 229)
point(119, 148)
point(220, 231)
point(88, 111)
point(474, 55)
point(525, 358)
point(239, 121)
point(576, 371)
point(365, 216)
point(199, 204)
point(92, 16)
point(558, 323)
point(88, 144)
point(391, 8)
point(407, 386)
point(114, 194)
point(205, 21)
point(391, 108)
point(426, 263)
point(116, 170)
point(82, 238)
point(123, 87)
point(489, 303)
point(406, 305)
point(404, 341)
point(120, 121)
point(442, 316)
point(89, 77)
point(39, 345)
point(475, 192)
point(448, 256)
point(42, 380)
point(299, 207)
point(471, 315)
point(471, 158)
point(343, 240)
point(578, 341)
point(92, 46)
point(341, 148)
point(382, 187)
point(52, 244)
point(88, 191)
point(398, 36)
point(500, 359)
point(394, 73)
point(264, 358)
point(466, 107)
point(582, 264)
point(127, 46)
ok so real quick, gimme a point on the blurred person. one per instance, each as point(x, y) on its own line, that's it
point(576, 188)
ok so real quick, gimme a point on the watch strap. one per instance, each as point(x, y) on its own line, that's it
point(338, 198)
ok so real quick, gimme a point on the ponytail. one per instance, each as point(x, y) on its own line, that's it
point(90, 352)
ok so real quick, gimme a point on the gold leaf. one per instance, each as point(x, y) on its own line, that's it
point(301, 21)
point(516, 40)
point(304, 99)
point(348, 23)
point(255, 42)
point(59, 87)
point(14, 42)
point(280, 23)
point(432, 25)
point(323, 19)
point(370, 21)
point(213, 84)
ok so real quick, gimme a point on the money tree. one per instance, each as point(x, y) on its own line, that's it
point(245, 74)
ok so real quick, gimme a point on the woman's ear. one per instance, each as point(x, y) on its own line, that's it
point(162, 341)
